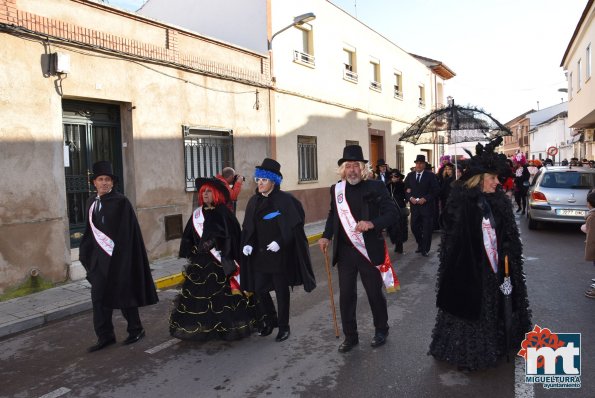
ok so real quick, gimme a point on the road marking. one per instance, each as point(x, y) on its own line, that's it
point(162, 346)
point(521, 389)
point(56, 393)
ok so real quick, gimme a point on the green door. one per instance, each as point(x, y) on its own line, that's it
point(91, 133)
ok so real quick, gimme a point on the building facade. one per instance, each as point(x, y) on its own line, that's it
point(81, 81)
point(578, 66)
point(336, 82)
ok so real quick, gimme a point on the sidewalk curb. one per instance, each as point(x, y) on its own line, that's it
point(175, 279)
point(42, 313)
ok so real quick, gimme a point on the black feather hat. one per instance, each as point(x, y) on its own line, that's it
point(486, 160)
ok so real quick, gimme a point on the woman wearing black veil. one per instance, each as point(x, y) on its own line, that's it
point(478, 232)
point(210, 304)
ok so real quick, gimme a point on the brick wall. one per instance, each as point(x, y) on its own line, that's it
point(169, 52)
point(8, 11)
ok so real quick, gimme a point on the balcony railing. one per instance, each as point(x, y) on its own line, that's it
point(376, 85)
point(303, 58)
point(350, 76)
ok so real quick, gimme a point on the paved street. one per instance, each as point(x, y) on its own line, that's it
point(52, 359)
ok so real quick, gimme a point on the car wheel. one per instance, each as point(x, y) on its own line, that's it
point(532, 223)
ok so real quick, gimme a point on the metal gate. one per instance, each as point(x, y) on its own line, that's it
point(91, 133)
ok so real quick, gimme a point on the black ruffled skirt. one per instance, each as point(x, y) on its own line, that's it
point(478, 344)
point(206, 308)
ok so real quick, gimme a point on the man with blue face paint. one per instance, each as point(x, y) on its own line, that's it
point(275, 248)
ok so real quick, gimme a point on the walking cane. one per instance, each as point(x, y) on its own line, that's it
point(330, 287)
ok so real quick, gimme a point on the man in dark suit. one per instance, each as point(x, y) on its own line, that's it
point(360, 209)
point(382, 172)
point(421, 189)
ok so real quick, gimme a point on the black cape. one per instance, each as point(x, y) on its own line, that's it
point(462, 252)
point(296, 260)
point(129, 281)
point(220, 229)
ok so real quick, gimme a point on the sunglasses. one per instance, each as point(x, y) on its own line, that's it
point(259, 179)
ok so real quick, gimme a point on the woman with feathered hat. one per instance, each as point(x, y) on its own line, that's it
point(479, 232)
point(210, 304)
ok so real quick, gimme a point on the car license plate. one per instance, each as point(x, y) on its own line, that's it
point(565, 212)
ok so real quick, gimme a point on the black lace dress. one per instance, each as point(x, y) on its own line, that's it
point(206, 307)
point(469, 330)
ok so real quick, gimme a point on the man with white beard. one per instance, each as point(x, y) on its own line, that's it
point(360, 209)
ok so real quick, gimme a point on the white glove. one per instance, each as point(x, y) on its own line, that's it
point(247, 250)
point(273, 246)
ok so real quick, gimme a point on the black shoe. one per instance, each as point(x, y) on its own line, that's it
point(425, 254)
point(102, 343)
point(282, 335)
point(348, 344)
point(379, 339)
point(133, 338)
point(266, 330)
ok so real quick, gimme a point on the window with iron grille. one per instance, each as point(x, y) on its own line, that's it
point(307, 158)
point(206, 153)
point(400, 158)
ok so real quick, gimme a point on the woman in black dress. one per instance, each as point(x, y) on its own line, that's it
point(478, 232)
point(398, 232)
point(210, 304)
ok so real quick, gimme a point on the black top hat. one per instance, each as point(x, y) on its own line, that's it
point(271, 165)
point(420, 158)
point(352, 153)
point(216, 183)
point(396, 172)
point(103, 168)
point(380, 162)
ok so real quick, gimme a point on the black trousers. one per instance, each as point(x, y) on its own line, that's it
point(422, 224)
point(350, 263)
point(102, 316)
point(102, 321)
point(278, 282)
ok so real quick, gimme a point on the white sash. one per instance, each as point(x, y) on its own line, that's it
point(198, 220)
point(387, 272)
point(348, 222)
point(490, 242)
point(102, 239)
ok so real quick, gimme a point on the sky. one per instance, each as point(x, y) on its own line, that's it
point(506, 53)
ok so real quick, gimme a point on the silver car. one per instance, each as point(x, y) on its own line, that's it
point(559, 194)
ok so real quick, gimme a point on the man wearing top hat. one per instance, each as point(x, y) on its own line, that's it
point(382, 172)
point(114, 255)
point(421, 189)
point(275, 247)
point(359, 210)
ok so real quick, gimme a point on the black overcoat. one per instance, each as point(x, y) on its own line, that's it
point(462, 253)
point(295, 247)
point(129, 281)
point(377, 207)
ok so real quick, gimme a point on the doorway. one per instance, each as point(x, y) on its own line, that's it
point(376, 146)
point(91, 133)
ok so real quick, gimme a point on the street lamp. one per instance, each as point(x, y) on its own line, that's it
point(297, 21)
